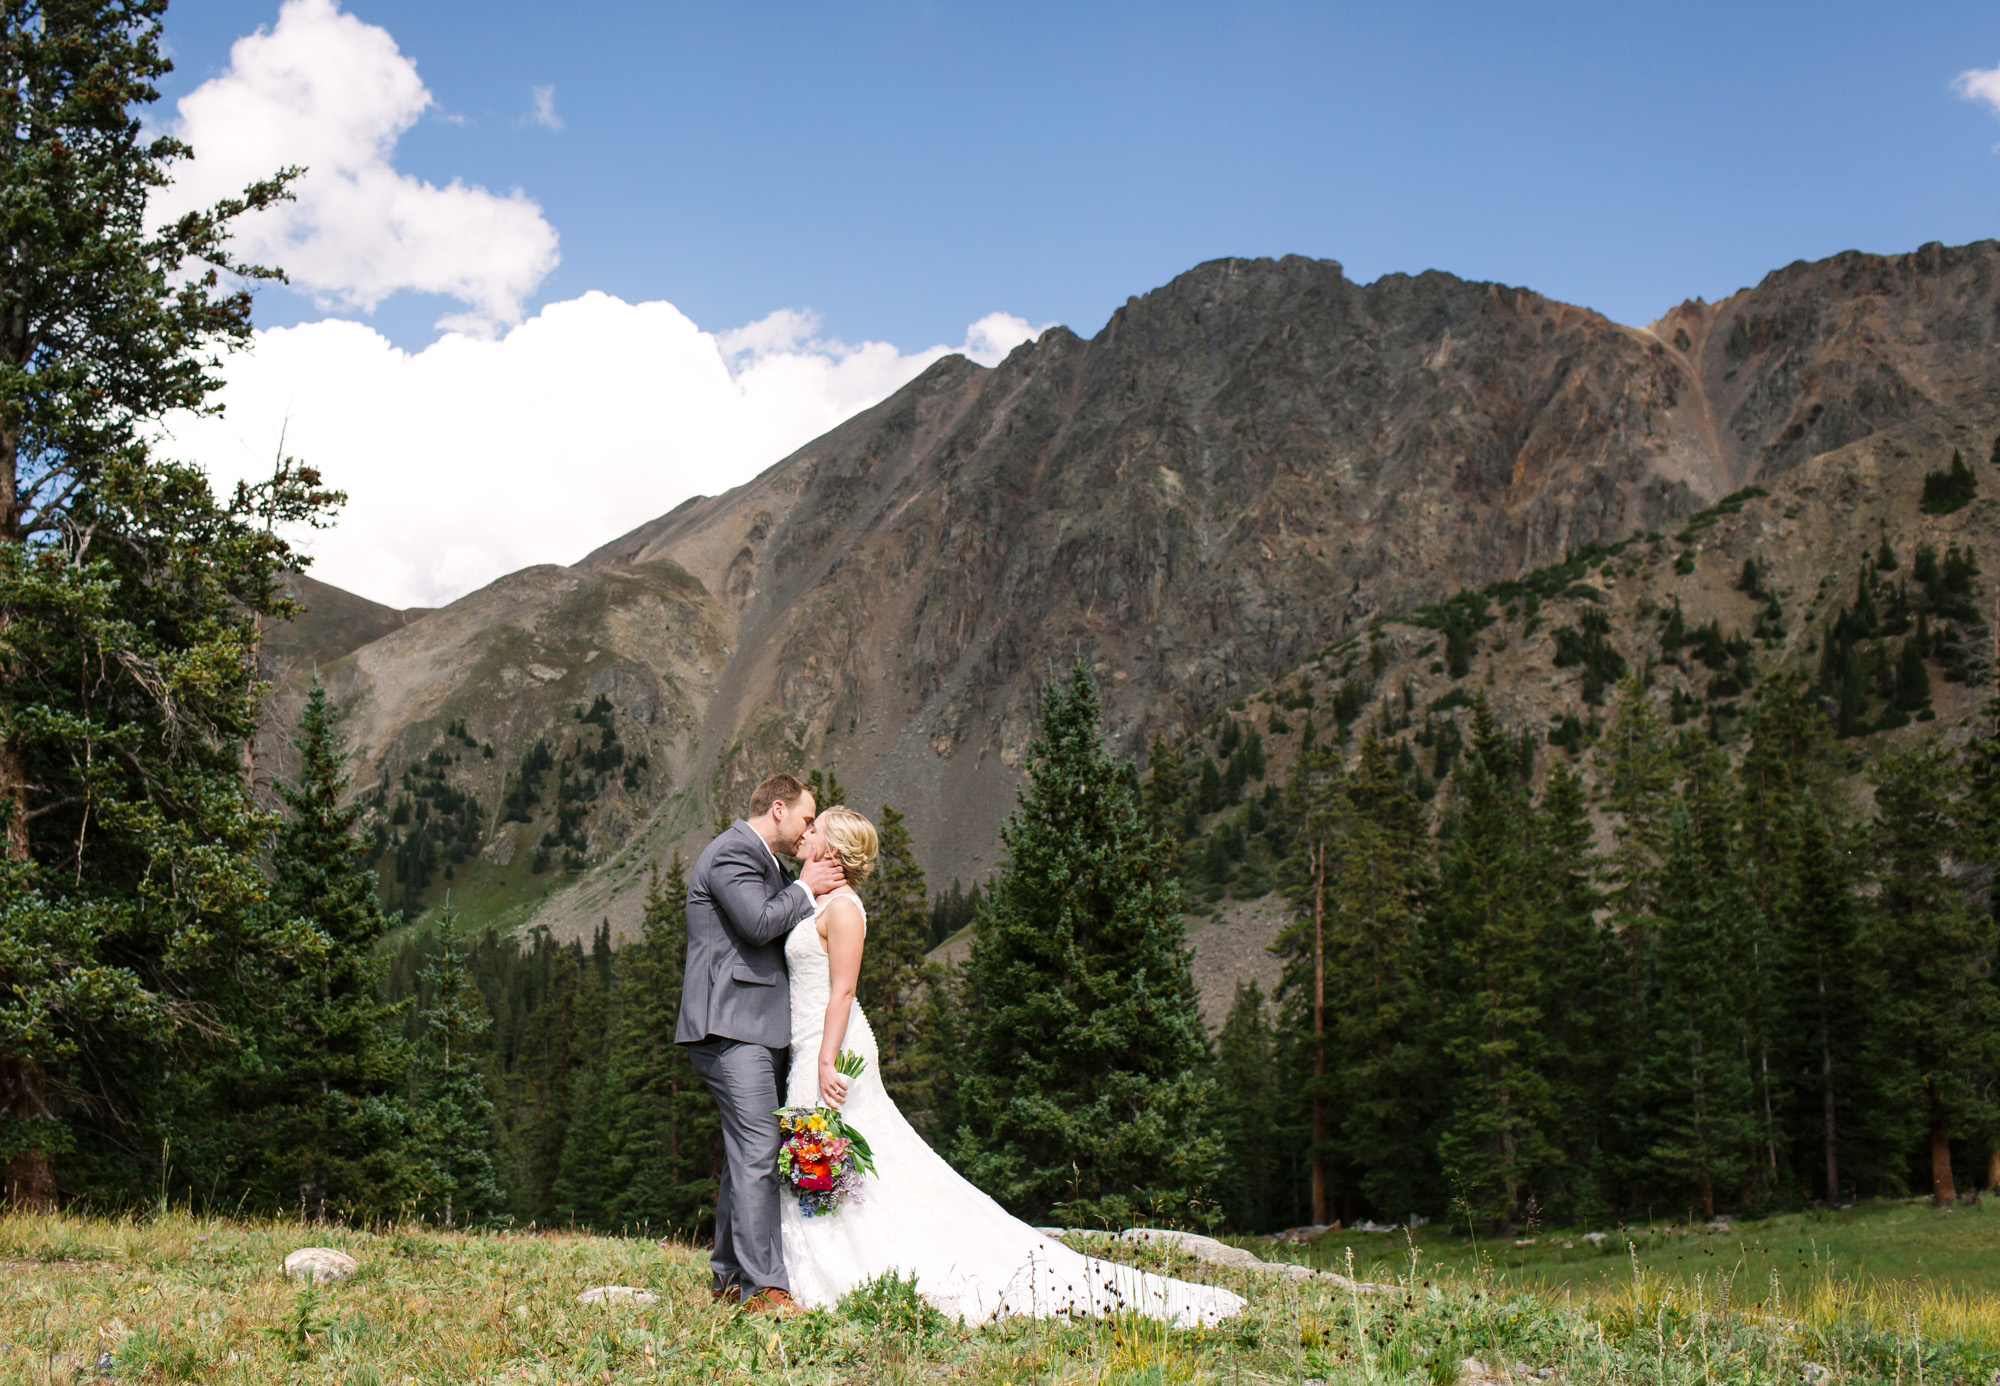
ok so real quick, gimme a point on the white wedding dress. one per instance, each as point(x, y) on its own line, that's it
point(971, 1259)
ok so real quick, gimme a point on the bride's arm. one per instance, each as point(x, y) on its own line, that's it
point(844, 930)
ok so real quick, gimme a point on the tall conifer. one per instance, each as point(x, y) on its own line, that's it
point(1937, 1027)
point(1258, 1173)
point(1573, 954)
point(1317, 807)
point(1088, 1084)
point(898, 935)
point(661, 1120)
point(1382, 1079)
point(1821, 1037)
point(579, 1194)
point(322, 1120)
point(453, 1144)
point(1497, 1139)
point(1694, 1072)
point(131, 903)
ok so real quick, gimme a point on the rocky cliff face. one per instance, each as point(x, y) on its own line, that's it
point(1239, 469)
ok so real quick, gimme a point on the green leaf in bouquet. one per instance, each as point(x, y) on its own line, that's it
point(864, 1158)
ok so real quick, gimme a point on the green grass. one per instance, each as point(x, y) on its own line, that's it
point(181, 1298)
point(1872, 1243)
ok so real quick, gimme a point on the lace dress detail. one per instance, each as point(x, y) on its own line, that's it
point(972, 1259)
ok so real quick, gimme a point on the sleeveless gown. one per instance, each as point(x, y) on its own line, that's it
point(972, 1260)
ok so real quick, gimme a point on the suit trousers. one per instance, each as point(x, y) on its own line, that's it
point(748, 1081)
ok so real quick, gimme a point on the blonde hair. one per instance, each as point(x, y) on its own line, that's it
point(852, 838)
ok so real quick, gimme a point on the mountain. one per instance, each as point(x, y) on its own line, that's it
point(332, 623)
point(1241, 469)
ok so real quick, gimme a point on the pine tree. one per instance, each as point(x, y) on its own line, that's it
point(1249, 1078)
point(661, 1121)
point(1317, 805)
point(130, 596)
point(1981, 844)
point(898, 932)
point(937, 1057)
point(1818, 963)
point(1694, 1071)
point(1088, 1081)
point(952, 910)
point(1937, 1028)
point(1638, 773)
point(1166, 797)
point(1382, 1076)
point(1208, 796)
point(1637, 778)
point(320, 1096)
point(579, 1195)
point(452, 1149)
point(824, 785)
point(562, 1038)
point(1497, 1137)
point(1573, 953)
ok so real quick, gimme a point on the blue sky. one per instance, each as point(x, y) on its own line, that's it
point(902, 169)
point(652, 249)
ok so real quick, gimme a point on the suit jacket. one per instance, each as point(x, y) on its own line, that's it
point(739, 909)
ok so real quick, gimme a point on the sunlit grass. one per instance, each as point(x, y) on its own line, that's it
point(186, 1298)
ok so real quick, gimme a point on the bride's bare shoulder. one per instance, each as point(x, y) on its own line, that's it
point(844, 907)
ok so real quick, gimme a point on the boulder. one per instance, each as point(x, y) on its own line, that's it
point(1212, 1252)
point(618, 1294)
point(317, 1263)
point(1201, 1248)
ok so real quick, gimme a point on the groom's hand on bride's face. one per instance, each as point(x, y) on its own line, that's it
point(823, 874)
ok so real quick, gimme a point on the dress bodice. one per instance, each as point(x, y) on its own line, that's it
point(812, 989)
point(811, 974)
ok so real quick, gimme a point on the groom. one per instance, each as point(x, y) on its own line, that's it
point(736, 1020)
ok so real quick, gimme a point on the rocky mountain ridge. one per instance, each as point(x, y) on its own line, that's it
point(1242, 468)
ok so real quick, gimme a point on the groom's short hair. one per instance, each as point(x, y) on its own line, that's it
point(780, 788)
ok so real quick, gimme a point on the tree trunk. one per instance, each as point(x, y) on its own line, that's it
point(1770, 1121)
point(1993, 1171)
point(1943, 1192)
point(31, 1178)
point(14, 796)
point(1826, 1088)
point(1708, 1198)
point(1319, 1037)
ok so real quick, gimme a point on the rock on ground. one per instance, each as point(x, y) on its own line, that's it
point(618, 1294)
point(317, 1263)
point(1212, 1252)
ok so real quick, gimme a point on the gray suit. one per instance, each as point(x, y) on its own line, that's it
point(736, 1019)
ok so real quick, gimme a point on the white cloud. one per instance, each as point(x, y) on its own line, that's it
point(325, 90)
point(475, 457)
point(1979, 84)
point(543, 112)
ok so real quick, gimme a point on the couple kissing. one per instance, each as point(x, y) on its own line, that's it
point(767, 1005)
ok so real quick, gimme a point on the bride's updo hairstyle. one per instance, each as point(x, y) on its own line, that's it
point(852, 838)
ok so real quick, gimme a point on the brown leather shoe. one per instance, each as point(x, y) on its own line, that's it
point(728, 1294)
point(771, 1300)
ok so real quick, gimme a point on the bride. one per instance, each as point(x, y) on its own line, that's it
point(917, 1216)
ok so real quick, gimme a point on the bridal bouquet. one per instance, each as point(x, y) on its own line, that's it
point(822, 1159)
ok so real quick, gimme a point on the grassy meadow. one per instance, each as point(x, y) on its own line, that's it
point(1870, 1243)
point(185, 1298)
